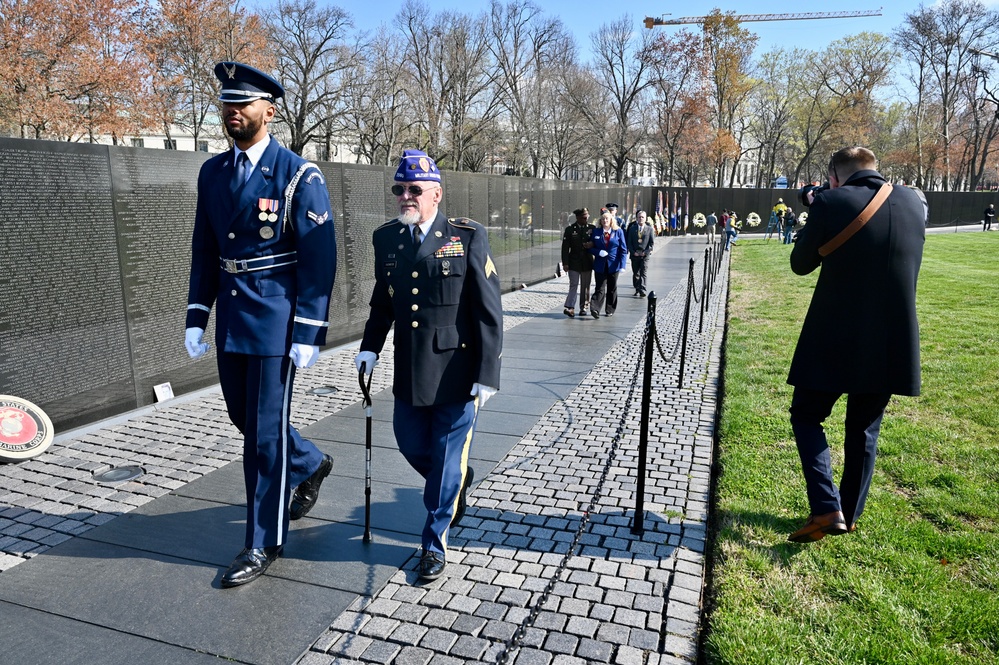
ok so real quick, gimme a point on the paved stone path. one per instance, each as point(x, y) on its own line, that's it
point(613, 597)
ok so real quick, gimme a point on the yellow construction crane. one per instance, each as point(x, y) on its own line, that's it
point(650, 22)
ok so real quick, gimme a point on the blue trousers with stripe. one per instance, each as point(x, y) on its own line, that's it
point(276, 459)
point(436, 440)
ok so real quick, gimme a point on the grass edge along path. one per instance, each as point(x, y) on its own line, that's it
point(919, 580)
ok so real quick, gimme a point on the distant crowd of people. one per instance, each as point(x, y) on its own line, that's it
point(592, 253)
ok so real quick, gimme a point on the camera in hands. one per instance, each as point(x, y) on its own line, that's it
point(814, 190)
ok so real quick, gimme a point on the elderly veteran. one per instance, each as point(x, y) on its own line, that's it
point(264, 253)
point(436, 281)
point(578, 261)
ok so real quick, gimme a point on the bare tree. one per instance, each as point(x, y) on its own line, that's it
point(524, 44)
point(312, 55)
point(771, 105)
point(568, 137)
point(375, 100)
point(677, 73)
point(625, 76)
point(942, 36)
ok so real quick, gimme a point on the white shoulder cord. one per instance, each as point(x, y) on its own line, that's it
point(289, 192)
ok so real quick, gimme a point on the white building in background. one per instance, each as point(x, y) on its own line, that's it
point(211, 141)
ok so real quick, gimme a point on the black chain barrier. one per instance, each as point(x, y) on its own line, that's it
point(650, 330)
point(528, 622)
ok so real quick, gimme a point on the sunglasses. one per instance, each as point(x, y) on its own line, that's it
point(415, 190)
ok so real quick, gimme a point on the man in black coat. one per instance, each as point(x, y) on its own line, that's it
point(578, 261)
point(436, 281)
point(860, 336)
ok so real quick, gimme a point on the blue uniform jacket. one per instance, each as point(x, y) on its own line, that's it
point(262, 312)
point(446, 306)
point(617, 251)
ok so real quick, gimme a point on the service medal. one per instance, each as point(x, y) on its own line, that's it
point(445, 268)
point(266, 232)
point(267, 208)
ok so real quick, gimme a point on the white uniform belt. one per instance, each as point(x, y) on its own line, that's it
point(236, 266)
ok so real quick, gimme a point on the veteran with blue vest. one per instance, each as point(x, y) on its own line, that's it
point(436, 281)
point(264, 254)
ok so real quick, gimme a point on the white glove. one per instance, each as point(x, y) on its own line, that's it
point(303, 355)
point(367, 358)
point(603, 253)
point(483, 392)
point(193, 343)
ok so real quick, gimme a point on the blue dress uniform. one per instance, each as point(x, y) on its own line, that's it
point(444, 299)
point(267, 261)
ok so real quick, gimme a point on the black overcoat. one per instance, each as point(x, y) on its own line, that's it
point(860, 333)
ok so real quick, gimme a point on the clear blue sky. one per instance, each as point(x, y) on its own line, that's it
point(584, 17)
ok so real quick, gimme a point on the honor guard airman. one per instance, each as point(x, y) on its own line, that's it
point(264, 254)
point(436, 281)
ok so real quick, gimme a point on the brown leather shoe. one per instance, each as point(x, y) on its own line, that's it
point(819, 526)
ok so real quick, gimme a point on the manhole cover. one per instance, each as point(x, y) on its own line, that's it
point(323, 390)
point(119, 474)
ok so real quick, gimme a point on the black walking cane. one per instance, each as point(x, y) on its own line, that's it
point(366, 403)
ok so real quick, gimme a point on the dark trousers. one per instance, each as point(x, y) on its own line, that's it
point(276, 459)
point(638, 273)
point(606, 291)
point(809, 409)
point(436, 440)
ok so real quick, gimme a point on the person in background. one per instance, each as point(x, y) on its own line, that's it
point(731, 229)
point(988, 216)
point(790, 219)
point(266, 256)
point(712, 222)
point(860, 336)
point(578, 261)
point(612, 208)
point(435, 280)
point(610, 251)
point(641, 239)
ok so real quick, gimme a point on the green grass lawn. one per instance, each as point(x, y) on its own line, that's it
point(918, 582)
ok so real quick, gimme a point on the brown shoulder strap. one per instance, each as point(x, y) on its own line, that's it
point(857, 224)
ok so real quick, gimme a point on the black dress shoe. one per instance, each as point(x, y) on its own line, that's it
point(431, 565)
point(249, 565)
point(459, 512)
point(307, 493)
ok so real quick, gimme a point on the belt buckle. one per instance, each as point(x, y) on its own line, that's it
point(230, 265)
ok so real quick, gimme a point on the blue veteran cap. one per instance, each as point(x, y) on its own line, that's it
point(416, 165)
point(242, 84)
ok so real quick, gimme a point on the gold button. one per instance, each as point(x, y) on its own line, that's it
point(388, 274)
point(415, 291)
point(233, 292)
point(416, 274)
point(464, 346)
point(416, 324)
point(416, 307)
point(231, 236)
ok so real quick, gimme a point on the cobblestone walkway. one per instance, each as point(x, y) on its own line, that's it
point(618, 597)
point(547, 539)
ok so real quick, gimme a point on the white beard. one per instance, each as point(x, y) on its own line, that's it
point(410, 217)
